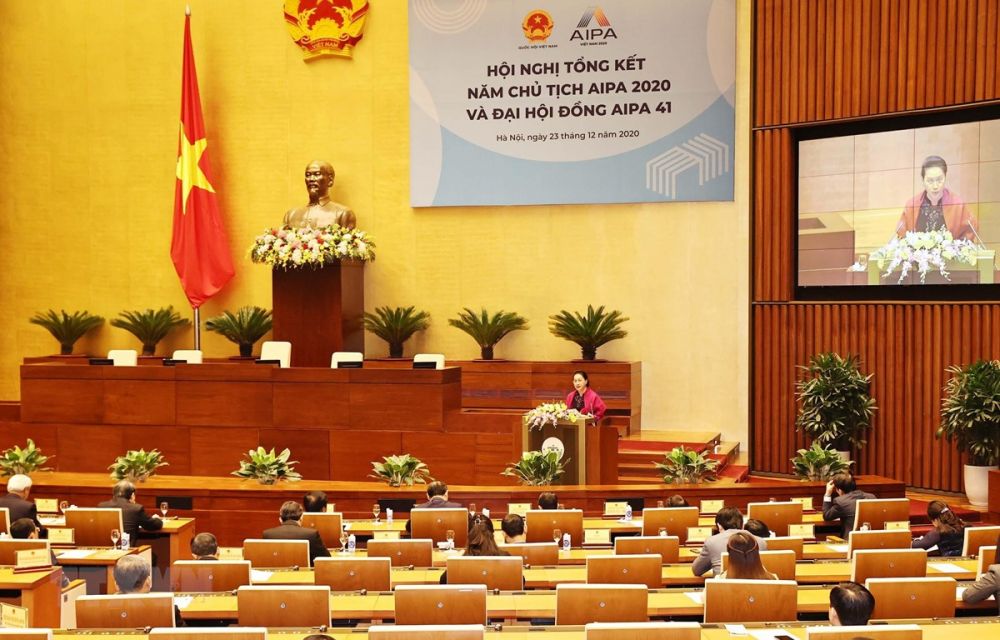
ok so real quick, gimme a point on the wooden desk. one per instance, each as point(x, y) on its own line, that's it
point(97, 567)
point(40, 592)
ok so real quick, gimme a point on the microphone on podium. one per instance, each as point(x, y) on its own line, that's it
point(982, 245)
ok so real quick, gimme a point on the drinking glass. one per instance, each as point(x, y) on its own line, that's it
point(450, 537)
point(163, 508)
point(343, 541)
point(472, 508)
point(63, 505)
point(557, 535)
point(116, 535)
point(662, 532)
point(376, 510)
point(659, 504)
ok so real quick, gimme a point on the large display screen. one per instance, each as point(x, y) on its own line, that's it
point(915, 206)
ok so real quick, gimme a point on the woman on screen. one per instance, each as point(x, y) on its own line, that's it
point(583, 398)
point(937, 207)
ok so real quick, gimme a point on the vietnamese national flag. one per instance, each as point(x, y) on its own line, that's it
point(199, 248)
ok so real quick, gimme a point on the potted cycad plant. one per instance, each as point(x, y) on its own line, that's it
point(588, 331)
point(150, 326)
point(399, 470)
point(487, 330)
point(67, 328)
point(244, 328)
point(819, 463)
point(687, 466)
point(267, 467)
point(970, 417)
point(396, 325)
point(27, 460)
point(835, 407)
point(537, 468)
point(137, 466)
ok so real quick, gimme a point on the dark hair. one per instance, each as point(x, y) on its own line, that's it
point(314, 502)
point(744, 558)
point(22, 528)
point(758, 528)
point(677, 500)
point(318, 636)
point(123, 489)
point(948, 522)
point(481, 542)
point(513, 525)
point(583, 374)
point(436, 488)
point(477, 518)
point(548, 500)
point(729, 518)
point(933, 161)
point(291, 510)
point(853, 603)
point(204, 544)
point(845, 482)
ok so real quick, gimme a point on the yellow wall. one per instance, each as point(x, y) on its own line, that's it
point(88, 134)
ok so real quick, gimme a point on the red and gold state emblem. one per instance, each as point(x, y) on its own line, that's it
point(537, 26)
point(326, 27)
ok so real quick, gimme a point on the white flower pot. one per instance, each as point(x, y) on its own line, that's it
point(976, 484)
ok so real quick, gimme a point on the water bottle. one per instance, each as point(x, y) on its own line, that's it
point(388, 516)
point(352, 543)
point(628, 512)
point(567, 543)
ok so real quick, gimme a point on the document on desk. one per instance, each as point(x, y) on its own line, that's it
point(771, 634)
point(697, 596)
point(946, 567)
point(839, 548)
point(257, 575)
point(76, 554)
point(182, 602)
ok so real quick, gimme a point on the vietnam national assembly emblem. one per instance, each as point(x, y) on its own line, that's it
point(326, 27)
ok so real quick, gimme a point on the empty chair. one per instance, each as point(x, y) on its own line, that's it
point(675, 520)
point(780, 563)
point(347, 360)
point(541, 523)
point(190, 356)
point(123, 357)
point(354, 574)
point(435, 523)
point(896, 539)
point(427, 632)
point(888, 563)
point(428, 361)
point(585, 603)
point(534, 553)
point(444, 604)
point(987, 556)
point(912, 597)
point(202, 633)
point(5, 519)
point(877, 511)
point(403, 553)
point(777, 515)
point(667, 546)
point(750, 600)
point(496, 572)
point(9, 548)
point(284, 606)
point(643, 631)
point(976, 537)
point(329, 525)
point(276, 553)
point(787, 543)
point(280, 351)
point(191, 576)
point(92, 527)
point(644, 569)
point(127, 611)
point(874, 632)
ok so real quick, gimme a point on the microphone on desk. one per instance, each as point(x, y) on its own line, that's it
point(982, 245)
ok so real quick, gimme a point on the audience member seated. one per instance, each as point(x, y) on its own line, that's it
point(133, 514)
point(481, 542)
point(437, 497)
point(133, 574)
point(744, 559)
point(757, 528)
point(851, 604)
point(204, 546)
point(948, 532)
point(17, 503)
point(290, 529)
point(478, 518)
point(729, 521)
point(987, 584)
point(677, 500)
point(548, 500)
point(841, 501)
point(513, 529)
point(314, 502)
point(25, 529)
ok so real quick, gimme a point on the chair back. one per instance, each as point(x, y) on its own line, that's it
point(276, 553)
point(354, 574)
point(192, 576)
point(441, 604)
point(276, 350)
point(403, 553)
point(987, 556)
point(780, 563)
point(642, 631)
point(586, 603)
point(92, 527)
point(537, 554)
point(899, 598)
point(190, 356)
point(435, 523)
point(209, 633)
point(25, 634)
point(427, 632)
point(9, 548)
point(877, 511)
point(283, 606)
point(349, 358)
point(644, 569)
point(125, 611)
point(787, 543)
point(894, 539)
point(875, 632)
point(541, 522)
point(123, 357)
point(776, 515)
point(496, 572)
point(5, 519)
point(750, 600)
point(888, 563)
point(329, 526)
point(675, 520)
point(667, 546)
point(424, 360)
point(977, 537)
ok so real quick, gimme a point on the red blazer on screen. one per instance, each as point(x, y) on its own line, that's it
point(592, 403)
point(957, 216)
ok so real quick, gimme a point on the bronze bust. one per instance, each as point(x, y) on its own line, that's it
point(321, 211)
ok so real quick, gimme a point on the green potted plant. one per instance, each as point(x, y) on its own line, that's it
point(66, 328)
point(137, 466)
point(536, 468)
point(150, 326)
point(487, 330)
point(970, 417)
point(399, 470)
point(267, 467)
point(819, 463)
point(835, 407)
point(244, 328)
point(396, 325)
point(687, 466)
point(589, 331)
point(17, 460)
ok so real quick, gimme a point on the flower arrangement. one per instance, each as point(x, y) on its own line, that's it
point(924, 251)
point(288, 248)
point(551, 413)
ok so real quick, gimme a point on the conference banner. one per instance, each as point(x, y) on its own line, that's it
point(516, 102)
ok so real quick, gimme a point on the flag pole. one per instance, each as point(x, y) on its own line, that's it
point(197, 328)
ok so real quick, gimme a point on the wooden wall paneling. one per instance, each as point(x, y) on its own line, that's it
point(225, 403)
point(139, 402)
point(62, 400)
point(323, 405)
point(382, 407)
point(352, 452)
point(89, 448)
point(217, 451)
point(311, 447)
point(493, 452)
point(45, 437)
point(451, 459)
point(173, 441)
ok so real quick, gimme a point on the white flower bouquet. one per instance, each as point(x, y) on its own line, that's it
point(290, 248)
point(551, 413)
point(924, 251)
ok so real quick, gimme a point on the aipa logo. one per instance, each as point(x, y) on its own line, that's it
point(587, 31)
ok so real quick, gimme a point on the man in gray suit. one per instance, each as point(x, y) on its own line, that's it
point(841, 501)
point(729, 520)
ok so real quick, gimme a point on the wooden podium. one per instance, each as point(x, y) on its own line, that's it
point(319, 311)
point(592, 449)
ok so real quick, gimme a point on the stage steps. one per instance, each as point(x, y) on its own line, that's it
point(636, 454)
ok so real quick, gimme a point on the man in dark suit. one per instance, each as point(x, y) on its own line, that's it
point(728, 521)
point(314, 502)
point(204, 546)
point(16, 501)
point(841, 501)
point(290, 529)
point(133, 514)
point(437, 497)
point(25, 529)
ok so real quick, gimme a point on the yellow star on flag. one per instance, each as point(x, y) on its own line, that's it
point(188, 171)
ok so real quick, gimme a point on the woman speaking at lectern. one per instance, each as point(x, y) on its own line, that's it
point(583, 398)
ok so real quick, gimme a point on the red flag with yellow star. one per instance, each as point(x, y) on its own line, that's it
point(200, 248)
